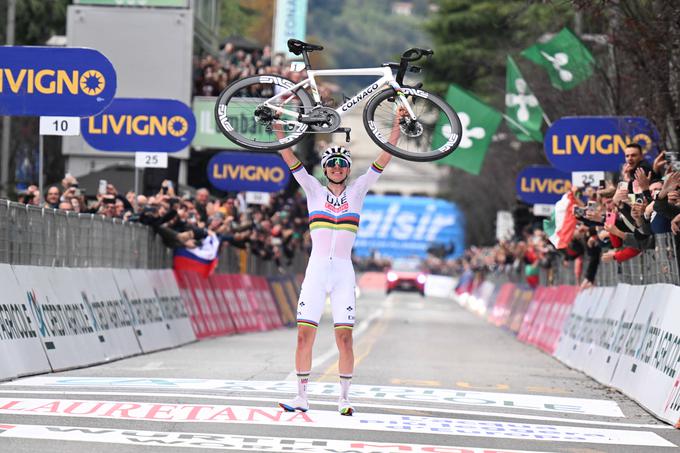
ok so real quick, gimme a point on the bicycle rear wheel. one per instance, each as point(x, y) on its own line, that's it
point(435, 134)
point(243, 118)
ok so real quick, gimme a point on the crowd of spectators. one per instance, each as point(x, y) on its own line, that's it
point(213, 74)
point(616, 220)
point(273, 231)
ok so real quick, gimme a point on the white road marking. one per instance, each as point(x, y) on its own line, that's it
point(357, 406)
point(224, 441)
point(202, 413)
point(544, 403)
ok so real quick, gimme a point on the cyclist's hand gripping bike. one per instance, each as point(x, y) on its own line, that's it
point(269, 112)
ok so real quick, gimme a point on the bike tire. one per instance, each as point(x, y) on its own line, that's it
point(380, 114)
point(236, 105)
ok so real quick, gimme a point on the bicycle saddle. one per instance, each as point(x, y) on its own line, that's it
point(295, 46)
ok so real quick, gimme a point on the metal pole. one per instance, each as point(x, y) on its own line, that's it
point(41, 163)
point(136, 187)
point(6, 120)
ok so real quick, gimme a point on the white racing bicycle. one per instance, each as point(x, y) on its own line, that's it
point(269, 112)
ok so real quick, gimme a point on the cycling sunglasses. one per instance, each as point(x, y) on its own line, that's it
point(339, 161)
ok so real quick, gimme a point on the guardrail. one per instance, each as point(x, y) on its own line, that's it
point(31, 235)
point(657, 265)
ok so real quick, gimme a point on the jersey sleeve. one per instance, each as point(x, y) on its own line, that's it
point(364, 182)
point(308, 182)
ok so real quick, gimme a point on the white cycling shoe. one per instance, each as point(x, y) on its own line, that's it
point(296, 404)
point(345, 407)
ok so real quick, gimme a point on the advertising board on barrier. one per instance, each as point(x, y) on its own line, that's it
point(542, 184)
point(66, 331)
point(597, 143)
point(229, 171)
point(162, 125)
point(53, 81)
point(649, 366)
point(20, 346)
point(408, 226)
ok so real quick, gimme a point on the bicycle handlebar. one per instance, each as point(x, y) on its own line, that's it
point(416, 53)
point(410, 55)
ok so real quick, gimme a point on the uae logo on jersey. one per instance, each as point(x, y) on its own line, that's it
point(337, 204)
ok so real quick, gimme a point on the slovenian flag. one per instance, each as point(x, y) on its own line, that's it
point(561, 226)
point(201, 259)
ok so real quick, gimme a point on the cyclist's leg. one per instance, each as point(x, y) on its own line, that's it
point(310, 307)
point(344, 308)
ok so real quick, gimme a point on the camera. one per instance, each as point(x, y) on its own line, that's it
point(578, 211)
point(672, 159)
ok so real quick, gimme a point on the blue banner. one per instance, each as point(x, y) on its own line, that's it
point(129, 125)
point(54, 81)
point(594, 143)
point(542, 184)
point(241, 172)
point(398, 226)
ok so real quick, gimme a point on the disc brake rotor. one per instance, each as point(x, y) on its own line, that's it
point(411, 128)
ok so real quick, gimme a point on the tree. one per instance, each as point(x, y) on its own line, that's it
point(472, 40)
point(36, 20)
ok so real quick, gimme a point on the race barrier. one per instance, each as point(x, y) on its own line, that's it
point(626, 337)
point(57, 318)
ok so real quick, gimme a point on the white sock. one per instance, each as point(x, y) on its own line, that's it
point(303, 380)
point(345, 381)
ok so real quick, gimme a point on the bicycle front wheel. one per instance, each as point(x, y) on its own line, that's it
point(434, 134)
point(250, 114)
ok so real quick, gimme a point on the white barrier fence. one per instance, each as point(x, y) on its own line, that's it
point(59, 318)
point(628, 337)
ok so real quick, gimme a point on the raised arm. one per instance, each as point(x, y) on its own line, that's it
point(288, 156)
point(384, 157)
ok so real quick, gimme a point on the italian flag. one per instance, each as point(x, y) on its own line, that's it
point(561, 226)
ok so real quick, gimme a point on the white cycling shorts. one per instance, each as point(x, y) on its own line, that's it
point(332, 277)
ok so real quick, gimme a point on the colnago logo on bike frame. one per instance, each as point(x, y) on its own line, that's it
point(356, 99)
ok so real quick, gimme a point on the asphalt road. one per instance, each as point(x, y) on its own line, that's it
point(430, 377)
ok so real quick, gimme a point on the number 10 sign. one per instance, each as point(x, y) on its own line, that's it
point(59, 125)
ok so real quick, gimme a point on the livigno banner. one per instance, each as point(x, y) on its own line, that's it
point(398, 226)
point(229, 171)
point(542, 184)
point(584, 143)
point(52, 81)
point(130, 124)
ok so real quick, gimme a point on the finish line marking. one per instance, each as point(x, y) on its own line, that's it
point(359, 406)
point(546, 403)
point(227, 442)
point(202, 413)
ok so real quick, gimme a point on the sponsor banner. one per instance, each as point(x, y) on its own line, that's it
point(203, 413)
point(502, 306)
point(226, 442)
point(172, 305)
point(144, 3)
point(585, 143)
point(110, 314)
point(217, 318)
point(247, 298)
point(408, 226)
point(261, 288)
point(612, 333)
point(130, 125)
point(578, 333)
point(20, 346)
point(560, 301)
point(374, 392)
point(289, 22)
point(54, 81)
point(62, 317)
point(286, 309)
point(259, 172)
point(201, 325)
point(221, 283)
point(542, 184)
point(439, 285)
point(533, 316)
point(207, 134)
point(520, 303)
point(649, 366)
point(150, 328)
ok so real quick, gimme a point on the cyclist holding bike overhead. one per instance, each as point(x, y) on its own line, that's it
point(334, 212)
